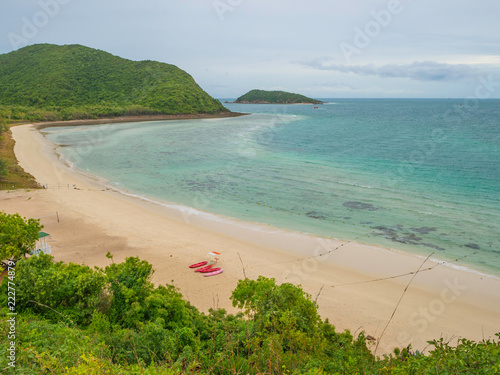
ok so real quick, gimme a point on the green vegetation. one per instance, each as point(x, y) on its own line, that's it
point(12, 176)
point(17, 235)
point(3, 167)
point(73, 319)
point(275, 97)
point(3, 163)
point(46, 82)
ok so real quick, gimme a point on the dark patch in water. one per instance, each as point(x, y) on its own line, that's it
point(411, 238)
point(472, 246)
point(366, 222)
point(200, 186)
point(360, 206)
point(389, 230)
point(408, 238)
point(423, 230)
point(432, 246)
point(347, 218)
point(316, 215)
point(389, 233)
point(385, 231)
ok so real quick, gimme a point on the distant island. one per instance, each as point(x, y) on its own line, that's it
point(275, 97)
point(47, 82)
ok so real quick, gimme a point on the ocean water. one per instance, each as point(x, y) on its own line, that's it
point(416, 175)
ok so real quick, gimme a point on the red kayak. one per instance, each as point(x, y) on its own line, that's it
point(196, 265)
point(210, 270)
point(204, 269)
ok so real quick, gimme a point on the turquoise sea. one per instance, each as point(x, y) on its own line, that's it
point(416, 175)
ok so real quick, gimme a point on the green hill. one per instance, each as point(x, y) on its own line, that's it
point(72, 81)
point(275, 97)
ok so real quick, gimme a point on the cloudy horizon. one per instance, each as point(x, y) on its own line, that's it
point(337, 49)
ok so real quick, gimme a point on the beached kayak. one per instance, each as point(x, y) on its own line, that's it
point(204, 268)
point(210, 270)
point(213, 273)
point(196, 265)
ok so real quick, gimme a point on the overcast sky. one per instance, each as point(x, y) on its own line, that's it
point(319, 48)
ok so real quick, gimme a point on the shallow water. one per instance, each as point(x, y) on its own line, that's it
point(415, 175)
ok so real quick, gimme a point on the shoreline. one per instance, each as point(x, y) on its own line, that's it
point(207, 218)
point(339, 274)
point(244, 230)
point(142, 118)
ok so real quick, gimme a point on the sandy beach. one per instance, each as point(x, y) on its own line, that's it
point(92, 219)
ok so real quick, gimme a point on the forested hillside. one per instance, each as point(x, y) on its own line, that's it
point(51, 82)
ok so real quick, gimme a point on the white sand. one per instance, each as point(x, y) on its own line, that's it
point(442, 302)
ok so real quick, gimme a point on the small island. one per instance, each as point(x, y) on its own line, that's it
point(275, 97)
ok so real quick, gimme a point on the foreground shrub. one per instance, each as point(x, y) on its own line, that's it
point(57, 291)
point(77, 320)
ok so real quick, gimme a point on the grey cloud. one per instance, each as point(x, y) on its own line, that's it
point(419, 71)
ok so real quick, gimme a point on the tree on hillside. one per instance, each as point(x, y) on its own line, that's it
point(3, 163)
point(3, 168)
point(271, 305)
point(18, 235)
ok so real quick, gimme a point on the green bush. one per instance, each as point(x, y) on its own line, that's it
point(49, 347)
point(3, 167)
point(57, 291)
point(468, 357)
point(18, 235)
point(77, 320)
